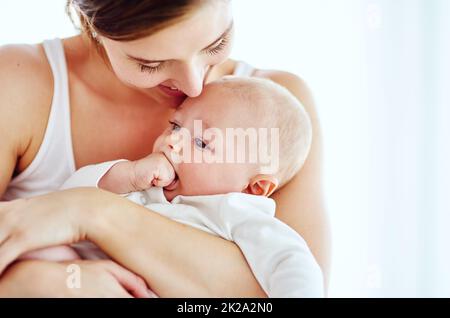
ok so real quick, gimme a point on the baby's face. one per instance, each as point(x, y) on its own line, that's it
point(196, 156)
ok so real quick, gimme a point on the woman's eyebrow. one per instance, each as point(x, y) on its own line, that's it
point(145, 61)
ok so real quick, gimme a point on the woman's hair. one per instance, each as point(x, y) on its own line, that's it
point(128, 20)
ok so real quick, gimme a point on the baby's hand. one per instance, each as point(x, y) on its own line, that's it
point(131, 176)
point(153, 170)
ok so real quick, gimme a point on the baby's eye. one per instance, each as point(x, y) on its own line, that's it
point(199, 143)
point(175, 126)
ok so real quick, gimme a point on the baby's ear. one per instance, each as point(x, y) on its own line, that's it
point(262, 184)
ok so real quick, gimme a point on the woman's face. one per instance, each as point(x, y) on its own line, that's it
point(175, 61)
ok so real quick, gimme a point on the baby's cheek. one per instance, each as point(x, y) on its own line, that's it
point(198, 179)
point(210, 179)
point(235, 177)
point(159, 143)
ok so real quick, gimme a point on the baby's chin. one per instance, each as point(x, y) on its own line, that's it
point(170, 194)
point(177, 188)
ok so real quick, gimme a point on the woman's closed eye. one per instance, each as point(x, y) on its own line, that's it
point(219, 46)
point(217, 49)
point(146, 68)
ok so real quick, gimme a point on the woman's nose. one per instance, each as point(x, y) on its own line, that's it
point(193, 79)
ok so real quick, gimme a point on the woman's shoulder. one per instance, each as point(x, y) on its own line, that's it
point(300, 203)
point(299, 88)
point(294, 83)
point(25, 73)
point(26, 91)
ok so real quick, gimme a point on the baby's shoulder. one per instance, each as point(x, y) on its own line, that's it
point(229, 203)
point(248, 204)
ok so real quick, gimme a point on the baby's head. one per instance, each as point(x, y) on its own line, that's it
point(241, 135)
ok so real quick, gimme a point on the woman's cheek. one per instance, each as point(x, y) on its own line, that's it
point(220, 58)
point(140, 79)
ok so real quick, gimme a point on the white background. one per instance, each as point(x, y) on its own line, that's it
point(380, 74)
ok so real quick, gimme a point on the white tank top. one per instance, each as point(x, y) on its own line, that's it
point(243, 69)
point(54, 162)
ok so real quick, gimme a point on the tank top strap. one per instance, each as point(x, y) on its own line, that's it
point(243, 69)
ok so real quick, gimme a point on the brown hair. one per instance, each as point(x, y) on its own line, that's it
point(128, 20)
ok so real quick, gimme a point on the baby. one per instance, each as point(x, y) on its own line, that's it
point(199, 175)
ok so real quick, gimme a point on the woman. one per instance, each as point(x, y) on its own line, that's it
point(132, 65)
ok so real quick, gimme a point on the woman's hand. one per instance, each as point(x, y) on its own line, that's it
point(47, 279)
point(107, 279)
point(48, 220)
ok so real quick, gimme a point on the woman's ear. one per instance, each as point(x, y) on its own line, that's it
point(262, 184)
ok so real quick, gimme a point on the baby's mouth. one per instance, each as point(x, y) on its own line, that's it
point(173, 185)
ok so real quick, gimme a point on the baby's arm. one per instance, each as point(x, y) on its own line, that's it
point(123, 176)
point(278, 256)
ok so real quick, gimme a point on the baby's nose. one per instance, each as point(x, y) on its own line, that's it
point(173, 142)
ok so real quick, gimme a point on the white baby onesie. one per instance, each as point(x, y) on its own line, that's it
point(278, 256)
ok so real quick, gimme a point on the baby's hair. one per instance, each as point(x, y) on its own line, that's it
point(276, 107)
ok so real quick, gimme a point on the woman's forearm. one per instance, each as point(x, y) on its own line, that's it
point(176, 260)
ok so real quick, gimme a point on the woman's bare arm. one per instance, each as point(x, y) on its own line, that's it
point(97, 279)
point(9, 124)
point(300, 204)
point(25, 98)
point(175, 259)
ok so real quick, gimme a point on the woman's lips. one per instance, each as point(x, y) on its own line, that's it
point(171, 92)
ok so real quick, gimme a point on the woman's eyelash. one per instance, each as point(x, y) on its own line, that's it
point(150, 69)
point(219, 48)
